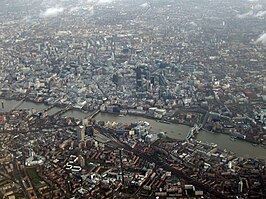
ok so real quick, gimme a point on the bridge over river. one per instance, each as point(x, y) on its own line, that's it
point(194, 130)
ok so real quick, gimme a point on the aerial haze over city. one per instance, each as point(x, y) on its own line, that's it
point(132, 99)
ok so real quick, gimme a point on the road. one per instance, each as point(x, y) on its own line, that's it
point(144, 155)
point(18, 173)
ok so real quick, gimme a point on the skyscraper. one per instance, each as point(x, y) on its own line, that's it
point(82, 161)
point(81, 133)
point(138, 72)
point(138, 78)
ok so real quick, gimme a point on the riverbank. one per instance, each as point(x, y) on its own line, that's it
point(58, 107)
point(176, 131)
point(166, 121)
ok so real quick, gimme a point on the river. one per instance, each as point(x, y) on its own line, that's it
point(177, 131)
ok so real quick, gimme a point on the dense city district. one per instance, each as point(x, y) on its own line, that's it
point(199, 63)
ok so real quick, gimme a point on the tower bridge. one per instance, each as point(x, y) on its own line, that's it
point(194, 130)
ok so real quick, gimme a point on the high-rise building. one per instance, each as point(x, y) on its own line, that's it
point(139, 84)
point(153, 80)
point(89, 130)
point(138, 72)
point(138, 79)
point(147, 75)
point(240, 186)
point(162, 80)
point(115, 78)
point(118, 79)
point(82, 161)
point(81, 133)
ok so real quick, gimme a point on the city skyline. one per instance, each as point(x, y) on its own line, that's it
point(132, 99)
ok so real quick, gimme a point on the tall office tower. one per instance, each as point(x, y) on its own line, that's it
point(89, 130)
point(240, 186)
point(115, 78)
point(162, 80)
point(139, 85)
point(82, 161)
point(147, 80)
point(113, 47)
point(81, 133)
point(147, 74)
point(138, 78)
point(152, 80)
point(118, 79)
point(138, 72)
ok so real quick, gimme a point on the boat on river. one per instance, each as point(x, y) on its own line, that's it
point(163, 121)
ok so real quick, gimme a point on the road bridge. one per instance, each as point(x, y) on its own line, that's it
point(21, 101)
point(194, 130)
point(61, 112)
point(93, 114)
point(52, 105)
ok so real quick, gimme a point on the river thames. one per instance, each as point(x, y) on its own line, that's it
point(177, 131)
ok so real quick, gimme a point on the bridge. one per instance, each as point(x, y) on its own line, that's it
point(21, 101)
point(205, 119)
point(93, 114)
point(213, 114)
point(194, 130)
point(61, 112)
point(18, 104)
point(51, 106)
